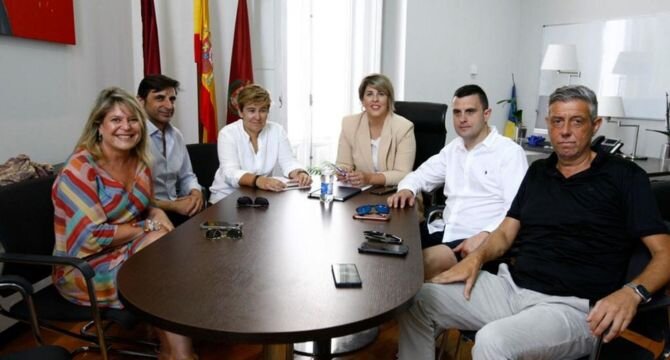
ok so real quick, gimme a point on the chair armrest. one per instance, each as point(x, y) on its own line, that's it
point(660, 299)
point(16, 282)
point(434, 212)
point(78, 263)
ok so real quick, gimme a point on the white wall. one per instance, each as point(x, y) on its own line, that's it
point(446, 38)
point(500, 37)
point(394, 41)
point(47, 88)
point(536, 13)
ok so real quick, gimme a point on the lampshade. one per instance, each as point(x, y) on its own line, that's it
point(610, 106)
point(560, 57)
point(633, 63)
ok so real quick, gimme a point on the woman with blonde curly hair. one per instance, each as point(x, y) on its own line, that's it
point(102, 206)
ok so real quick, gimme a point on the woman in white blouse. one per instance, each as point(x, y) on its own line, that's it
point(251, 147)
point(376, 146)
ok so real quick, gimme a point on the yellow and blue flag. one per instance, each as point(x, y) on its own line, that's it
point(513, 120)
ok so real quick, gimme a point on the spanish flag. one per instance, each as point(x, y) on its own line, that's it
point(203, 59)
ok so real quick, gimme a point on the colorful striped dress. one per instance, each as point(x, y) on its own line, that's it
point(89, 205)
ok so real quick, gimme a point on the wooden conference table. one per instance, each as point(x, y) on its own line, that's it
point(274, 286)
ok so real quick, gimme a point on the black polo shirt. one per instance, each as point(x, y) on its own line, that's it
point(577, 234)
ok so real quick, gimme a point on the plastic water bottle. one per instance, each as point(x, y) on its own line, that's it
point(327, 179)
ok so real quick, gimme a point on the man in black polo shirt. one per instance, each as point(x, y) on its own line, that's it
point(575, 220)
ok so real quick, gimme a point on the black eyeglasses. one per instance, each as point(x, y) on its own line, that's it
point(245, 201)
point(378, 236)
point(231, 233)
point(367, 209)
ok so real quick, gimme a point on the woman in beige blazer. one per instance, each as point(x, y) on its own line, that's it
point(376, 146)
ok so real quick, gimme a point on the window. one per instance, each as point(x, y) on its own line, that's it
point(330, 47)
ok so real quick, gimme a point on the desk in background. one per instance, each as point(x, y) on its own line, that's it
point(652, 165)
point(274, 286)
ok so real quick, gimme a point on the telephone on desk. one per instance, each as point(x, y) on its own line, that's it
point(611, 146)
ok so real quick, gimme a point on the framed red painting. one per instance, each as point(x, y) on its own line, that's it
point(47, 20)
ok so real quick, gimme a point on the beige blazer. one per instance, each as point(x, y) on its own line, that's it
point(397, 147)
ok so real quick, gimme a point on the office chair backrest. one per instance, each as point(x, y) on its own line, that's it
point(429, 128)
point(205, 162)
point(651, 321)
point(26, 224)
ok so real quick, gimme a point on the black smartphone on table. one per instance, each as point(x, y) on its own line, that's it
point(383, 190)
point(383, 249)
point(346, 276)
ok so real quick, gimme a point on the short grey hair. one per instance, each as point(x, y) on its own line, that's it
point(576, 92)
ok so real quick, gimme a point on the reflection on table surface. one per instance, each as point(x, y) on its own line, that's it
point(275, 284)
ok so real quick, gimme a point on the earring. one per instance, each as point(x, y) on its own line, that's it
point(99, 136)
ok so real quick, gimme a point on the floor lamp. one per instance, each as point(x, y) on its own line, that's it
point(561, 58)
point(612, 107)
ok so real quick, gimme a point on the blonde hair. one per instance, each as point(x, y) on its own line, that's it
point(107, 99)
point(378, 82)
point(253, 94)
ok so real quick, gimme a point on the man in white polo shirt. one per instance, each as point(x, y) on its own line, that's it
point(481, 171)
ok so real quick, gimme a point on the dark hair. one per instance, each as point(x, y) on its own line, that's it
point(576, 92)
point(155, 83)
point(467, 90)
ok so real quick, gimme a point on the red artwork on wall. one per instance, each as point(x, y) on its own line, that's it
point(48, 20)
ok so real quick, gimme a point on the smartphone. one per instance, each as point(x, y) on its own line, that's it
point(346, 276)
point(377, 217)
point(383, 249)
point(383, 190)
point(213, 224)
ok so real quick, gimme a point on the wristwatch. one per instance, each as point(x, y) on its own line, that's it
point(641, 291)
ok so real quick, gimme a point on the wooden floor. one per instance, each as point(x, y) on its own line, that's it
point(385, 347)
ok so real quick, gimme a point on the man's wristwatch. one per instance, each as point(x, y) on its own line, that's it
point(641, 291)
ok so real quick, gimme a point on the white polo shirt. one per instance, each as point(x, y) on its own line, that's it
point(479, 184)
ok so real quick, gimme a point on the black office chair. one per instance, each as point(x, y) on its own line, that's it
point(430, 133)
point(45, 352)
point(647, 336)
point(27, 237)
point(205, 162)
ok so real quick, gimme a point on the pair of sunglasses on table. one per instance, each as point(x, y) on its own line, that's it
point(381, 209)
point(259, 202)
point(215, 230)
point(381, 237)
point(378, 212)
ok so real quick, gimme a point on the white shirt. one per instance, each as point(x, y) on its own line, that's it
point(172, 173)
point(374, 145)
point(479, 184)
point(237, 156)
